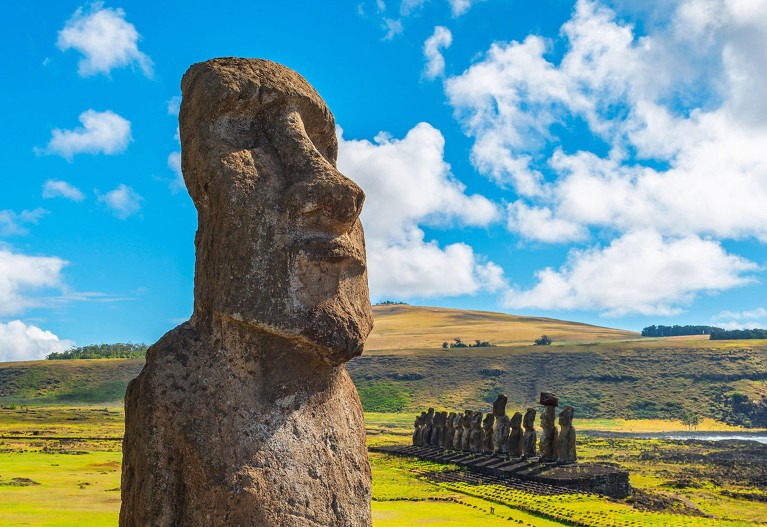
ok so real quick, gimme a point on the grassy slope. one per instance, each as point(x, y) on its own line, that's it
point(409, 327)
point(621, 377)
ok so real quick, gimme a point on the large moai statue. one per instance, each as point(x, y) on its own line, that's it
point(449, 431)
point(467, 422)
point(245, 414)
point(476, 439)
point(548, 443)
point(487, 433)
point(457, 432)
point(515, 436)
point(566, 442)
point(438, 432)
point(501, 427)
point(529, 438)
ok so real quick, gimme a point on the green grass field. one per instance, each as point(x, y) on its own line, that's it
point(73, 480)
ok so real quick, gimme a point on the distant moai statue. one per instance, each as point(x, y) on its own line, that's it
point(449, 431)
point(466, 439)
point(457, 432)
point(476, 437)
point(487, 433)
point(501, 427)
point(436, 430)
point(515, 436)
point(530, 437)
point(420, 420)
point(428, 427)
point(566, 442)
point(548, 444)
point(441, 430)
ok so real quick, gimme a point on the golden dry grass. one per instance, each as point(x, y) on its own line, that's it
point(409, 327)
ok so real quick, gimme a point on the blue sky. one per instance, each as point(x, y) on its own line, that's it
point(598, 160)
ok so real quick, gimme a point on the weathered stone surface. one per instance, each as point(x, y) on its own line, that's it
point(428, 427)
point(566, 442)
point(449, 430)
point(529, 438)
point(245, 415)
point(515, 436)
point(548, 444)
point(467, 423)
point(549, 399)
point(476, 438)
point(487, 433)
point(418, 425)
point(502, 426)
point(457, 432)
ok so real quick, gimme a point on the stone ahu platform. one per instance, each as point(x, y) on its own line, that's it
point(579, 477)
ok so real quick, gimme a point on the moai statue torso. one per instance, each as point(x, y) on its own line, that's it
point(457, 432)
point(566, 442)
point(529, 438)
point(476, 438)
point(466, 439)
point(515, 435)
point(548, 444)
point(501, 427)
point(487, 433)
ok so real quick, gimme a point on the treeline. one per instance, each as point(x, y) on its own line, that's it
point(678, 331)
point(118, 350)
point(458, 343)
point(738, 334)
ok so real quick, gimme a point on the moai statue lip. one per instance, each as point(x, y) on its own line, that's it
point(258, 154)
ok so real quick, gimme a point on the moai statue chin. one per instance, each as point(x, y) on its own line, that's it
point(245, 414)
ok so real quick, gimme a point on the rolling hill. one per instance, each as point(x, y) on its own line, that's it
point(603, 372)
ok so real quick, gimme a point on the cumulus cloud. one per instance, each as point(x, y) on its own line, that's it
point(101, 132)
point(684, 150)
point(432, 52)
point(174, 163)
point(457, 7)
point(123, 201)
point(393, 27)
point(13, 223)
point(749, 319)
point(640, 272)
point(55, 188)
point(23, 276)
point(408, 184)
point(174, 105)
point(19, 341)
point(104, 38)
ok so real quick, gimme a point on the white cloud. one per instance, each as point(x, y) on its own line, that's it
point(393, 28)
point(22, 275)
point(539, 223)
point(19, 341)
point(457, 7)
point(55, 188)
point(639, 272)
point(12, 223)
point(408, 184)
point(174, 163)
point(101, 132)
point(123, 201)
point(749, 319)
point(104, 38)
point(432, 51)
point(174, 105)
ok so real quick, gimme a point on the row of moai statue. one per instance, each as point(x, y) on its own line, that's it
point(498, 434)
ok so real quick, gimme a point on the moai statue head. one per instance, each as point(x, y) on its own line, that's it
point(529, 419)
point(499, 406)
point(450, 420)
point(476, 420)
point(458, 421)
point(566, 416)
point(516, 421)
point(430, 416)
point(259, 159)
